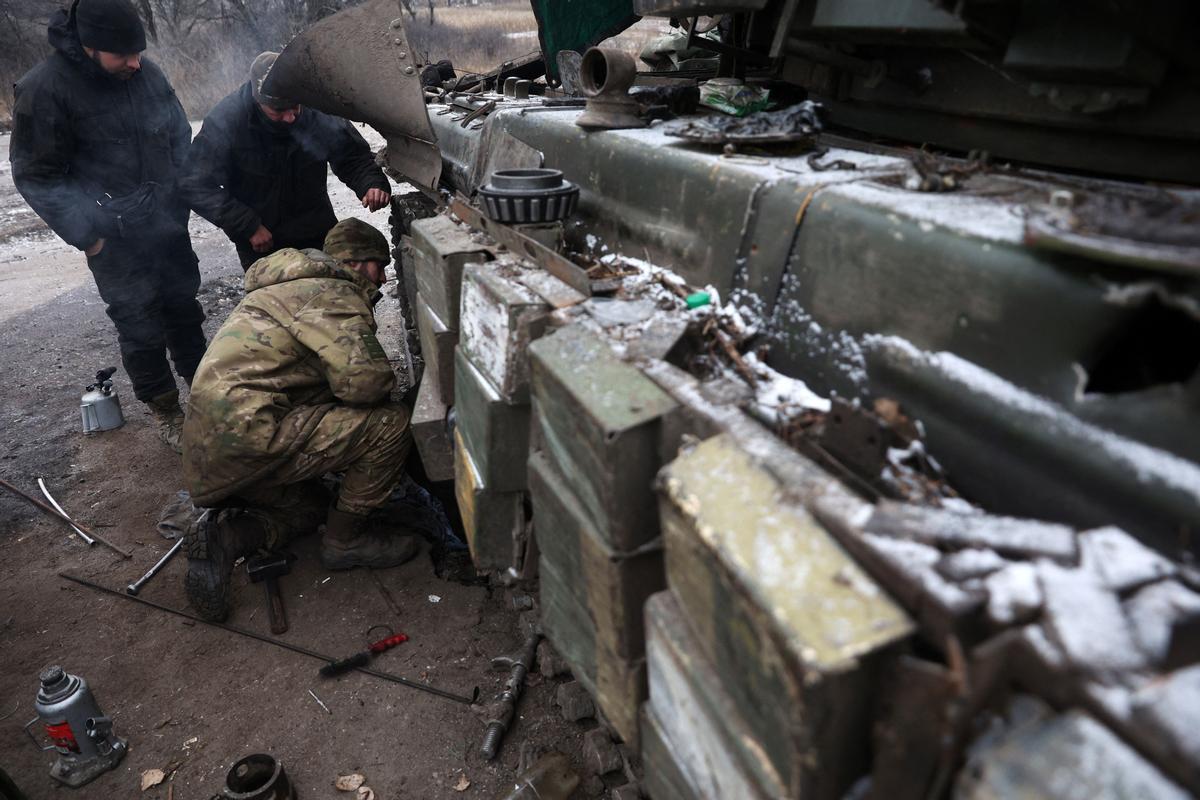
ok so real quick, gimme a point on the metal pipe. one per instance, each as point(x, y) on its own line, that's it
point(387, 676)
point(137, 585)
point(59, 509)
point(50, 511)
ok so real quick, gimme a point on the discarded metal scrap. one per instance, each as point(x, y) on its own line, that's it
point(137, 585)
point(50, 499)
point(59, 515)
point(502, 710)
point(304, 651)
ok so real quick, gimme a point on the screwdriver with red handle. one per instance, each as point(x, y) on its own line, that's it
point(363, 658)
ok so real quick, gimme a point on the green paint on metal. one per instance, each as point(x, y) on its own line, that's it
point(578, 24)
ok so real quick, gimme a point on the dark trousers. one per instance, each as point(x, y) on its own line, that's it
point(150, 289)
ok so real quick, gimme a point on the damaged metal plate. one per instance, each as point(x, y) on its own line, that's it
point(1160, 233)
point(798, 123)
point(325, 66)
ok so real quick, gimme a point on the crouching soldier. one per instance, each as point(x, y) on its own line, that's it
point(293, 386)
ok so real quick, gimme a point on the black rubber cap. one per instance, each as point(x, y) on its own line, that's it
point(51, 675)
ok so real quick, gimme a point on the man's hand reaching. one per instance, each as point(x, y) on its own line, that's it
point(262, 240)
point(375, 199)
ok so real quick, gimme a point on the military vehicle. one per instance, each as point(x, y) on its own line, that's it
point(852, 444)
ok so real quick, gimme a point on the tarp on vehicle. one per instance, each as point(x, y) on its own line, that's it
point(578, 24)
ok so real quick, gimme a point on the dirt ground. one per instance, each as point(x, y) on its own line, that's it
point(190, 699)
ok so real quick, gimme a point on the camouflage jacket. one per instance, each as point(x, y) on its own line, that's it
point(301, 342)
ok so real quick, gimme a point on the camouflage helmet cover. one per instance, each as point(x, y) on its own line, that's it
point(354, 240)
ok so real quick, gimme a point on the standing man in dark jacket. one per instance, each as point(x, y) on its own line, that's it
point(98, 141)
point(258, 170)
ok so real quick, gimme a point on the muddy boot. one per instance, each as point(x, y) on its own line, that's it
point(212, 545)
point(169, 417)
point(345, 544)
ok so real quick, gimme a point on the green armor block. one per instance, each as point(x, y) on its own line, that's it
point(499, 317)
point(614, 585)
point(617, 685)
point(437, 348)
point(599, 419)
point(795, 629)
point(441, 248)
point(663, 777)
point(711, 742)
point(429, 432)
point(493, 520)
point(495, 433)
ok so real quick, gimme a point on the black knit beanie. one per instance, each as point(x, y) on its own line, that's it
point(110, 25)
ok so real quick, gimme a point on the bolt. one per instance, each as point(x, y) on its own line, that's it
point(397, 23)
point(403, 55)
point(409, 70)
point(491, 740)
point(398, 41)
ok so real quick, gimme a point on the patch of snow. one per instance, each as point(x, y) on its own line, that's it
point(1133, 295)
point(1154, 610)
point(1085, 619)
point(1014, 594)
point(1121, 561)
point(1171, 708)
point(981, 217)
point(952, 530)
point(973, 562)
point(776, 394)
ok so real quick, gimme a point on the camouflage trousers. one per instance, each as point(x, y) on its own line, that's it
point(368, 445)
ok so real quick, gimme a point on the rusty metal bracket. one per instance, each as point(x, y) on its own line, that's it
point(483, 110)
point(566, 271)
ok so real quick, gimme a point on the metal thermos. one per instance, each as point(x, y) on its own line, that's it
point(78, 730)
point(100, 405)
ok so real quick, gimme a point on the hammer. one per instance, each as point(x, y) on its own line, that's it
point(266, 570)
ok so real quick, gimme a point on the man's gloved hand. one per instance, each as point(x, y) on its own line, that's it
point(375, 199)
point(262, 240)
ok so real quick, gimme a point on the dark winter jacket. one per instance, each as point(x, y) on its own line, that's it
point(93, 155)
point(244, 172)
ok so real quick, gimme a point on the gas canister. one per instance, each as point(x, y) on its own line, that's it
point(100, 405)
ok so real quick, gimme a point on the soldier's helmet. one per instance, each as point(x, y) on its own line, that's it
point(354, 240)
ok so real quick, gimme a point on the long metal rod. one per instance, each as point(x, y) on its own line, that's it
point(57, 515)
point(387, 676)
point(50, 499)
point(137, 585)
